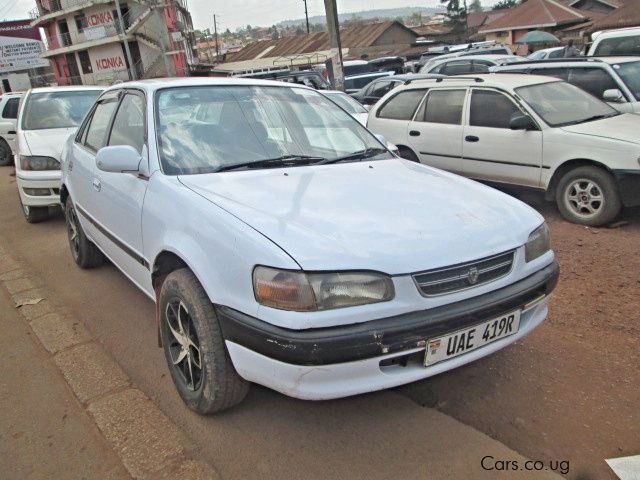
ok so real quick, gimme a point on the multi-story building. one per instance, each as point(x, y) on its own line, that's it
point(103, 41)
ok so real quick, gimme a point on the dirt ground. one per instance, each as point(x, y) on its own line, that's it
point(571, 390)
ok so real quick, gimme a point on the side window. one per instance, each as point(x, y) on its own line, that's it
point(96, 136)
point(557, 53)
point(491, 109)
point(10, 109)
point(481, 66)
point(561, 73)
point(380, 89)
point(461, 67)
point(444, 106)
point(618, 46)
point(593, 80)
point(128, 126)
point(402, 106)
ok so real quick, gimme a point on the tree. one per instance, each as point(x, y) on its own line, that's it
point(504, 4)
point(457, 13)
point(475, 6)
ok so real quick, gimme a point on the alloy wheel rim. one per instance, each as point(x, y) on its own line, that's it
point(72, 232)
point(184, 346)
point(584, 198)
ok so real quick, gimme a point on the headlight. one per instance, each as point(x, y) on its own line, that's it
point(538, 244)
point(299, 291)
point(38, 163)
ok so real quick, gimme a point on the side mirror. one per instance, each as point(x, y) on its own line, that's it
point(520, 121)
point(613, 95)
point(118, 159)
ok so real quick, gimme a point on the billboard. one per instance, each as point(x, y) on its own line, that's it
point(20, 46)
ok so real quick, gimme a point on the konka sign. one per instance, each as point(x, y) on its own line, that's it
point(99, 19)
point(108, 63)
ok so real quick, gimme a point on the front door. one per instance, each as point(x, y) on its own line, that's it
point(494, 152)
point(435, 133)
point(121, 196)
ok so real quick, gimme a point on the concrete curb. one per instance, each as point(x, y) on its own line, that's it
point(147, 442)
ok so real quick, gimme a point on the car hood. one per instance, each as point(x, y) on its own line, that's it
point(49, 142)
point(623, 127)
point(392, 216)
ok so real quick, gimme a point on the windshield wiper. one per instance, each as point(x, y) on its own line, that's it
point(361, 155)
point(283, 161)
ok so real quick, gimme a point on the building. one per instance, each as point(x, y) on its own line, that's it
point(300, 51)
point(548, 15)
point(86, 39)
point(598, 6)
point(627, 15)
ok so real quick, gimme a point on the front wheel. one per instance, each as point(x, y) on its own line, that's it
point(84, 253)
point(588, 196)
point(35, 214)
point(194, 347)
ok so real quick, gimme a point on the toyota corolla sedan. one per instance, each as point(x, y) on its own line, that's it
point(284, 245)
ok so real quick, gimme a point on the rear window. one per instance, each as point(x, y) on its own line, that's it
point(618, 46)
point(62, 109)
point(10, 109)
point(402, 106)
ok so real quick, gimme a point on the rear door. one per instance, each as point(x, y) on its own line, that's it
point(9, 115)
point(491, 150)
point(435, 133)
point(393, 117)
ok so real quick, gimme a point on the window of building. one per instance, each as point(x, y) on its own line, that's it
point(402, 106)
point(85, 62)
point(81, 22)
point(128, 126)
point(491, 109)
point(444, 106)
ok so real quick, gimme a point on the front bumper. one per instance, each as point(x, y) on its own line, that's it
point(333, 362)
point(46, 180)
point(628, 182)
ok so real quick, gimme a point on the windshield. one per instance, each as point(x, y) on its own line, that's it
point(346, 102)
point(560, 103)
point(205, 129)
point(630, 74)
point(61, 109)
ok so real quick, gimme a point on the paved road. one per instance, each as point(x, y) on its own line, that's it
point(382, 435)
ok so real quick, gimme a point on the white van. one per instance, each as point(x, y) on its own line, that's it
point(621, 41)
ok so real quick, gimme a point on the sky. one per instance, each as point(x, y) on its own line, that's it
point(238, 13)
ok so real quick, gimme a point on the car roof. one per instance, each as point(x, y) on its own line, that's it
point(75, 88)
point(565, 62)
point(506, 80)
point(618, 32)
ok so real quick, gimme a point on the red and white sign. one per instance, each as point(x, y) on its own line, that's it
point(99, 19)
point(108, 63)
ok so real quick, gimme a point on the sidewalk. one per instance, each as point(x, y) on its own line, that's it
point(45, 431)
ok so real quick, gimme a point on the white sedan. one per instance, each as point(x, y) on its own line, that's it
point(47, 117)
point(284, 245)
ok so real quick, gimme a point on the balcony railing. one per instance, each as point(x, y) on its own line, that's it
point(88, 33)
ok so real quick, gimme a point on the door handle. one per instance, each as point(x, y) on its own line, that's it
point(11, 132)
point(97, 185)
point(471, 138)
point(414, 133)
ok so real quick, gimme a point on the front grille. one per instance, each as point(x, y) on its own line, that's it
point(463, 276)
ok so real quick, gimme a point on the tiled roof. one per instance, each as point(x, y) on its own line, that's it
point(351, 37)
point(626, 16)
point(479, 19)
point(536, 14)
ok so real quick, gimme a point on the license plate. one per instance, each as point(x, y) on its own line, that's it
point(463, 341)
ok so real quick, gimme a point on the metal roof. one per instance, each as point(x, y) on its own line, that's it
point(536, 14)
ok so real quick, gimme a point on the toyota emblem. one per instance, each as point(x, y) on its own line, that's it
point(473, 275)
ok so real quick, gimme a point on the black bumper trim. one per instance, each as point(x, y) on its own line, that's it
point(628, 186)
point(323, 346)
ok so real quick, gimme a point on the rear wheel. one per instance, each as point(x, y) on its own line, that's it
point(194, 347)
point(588, 196)
point(84, 253)
point(408, 154)
point(6, 157)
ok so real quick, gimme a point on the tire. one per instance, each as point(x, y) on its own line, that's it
point(84, 252)
point(215, 385)
point(588, 196)
point(34, 214)
point(6, 157)
point(408, 154)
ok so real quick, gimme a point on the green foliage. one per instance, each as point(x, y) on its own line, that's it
point(457, 13)
point(503, 4)
point(475, 6)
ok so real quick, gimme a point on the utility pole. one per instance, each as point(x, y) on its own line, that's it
point(306, 15)
point(131, 71)
point(215, 34)
point(333, 26)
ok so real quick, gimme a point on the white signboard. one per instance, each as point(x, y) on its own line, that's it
point(20, 47)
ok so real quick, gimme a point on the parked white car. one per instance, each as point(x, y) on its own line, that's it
point(349, 104)
point(619, 41)
point(524, 130)
point(284, 245)
point(471, 64)
point(547, 53)
point(9, 103)
point(47, 117)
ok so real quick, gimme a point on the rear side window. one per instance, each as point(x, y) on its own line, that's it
point(461, 67)
point(402, 106)
point(10, 109)
point(619, 46)
point(491, 109)
point(443, 106)
point(96, 137)
point(481, 66)
point(593, 80)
